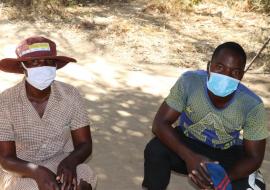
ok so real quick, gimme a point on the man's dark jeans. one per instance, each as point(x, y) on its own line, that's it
point(160, 160)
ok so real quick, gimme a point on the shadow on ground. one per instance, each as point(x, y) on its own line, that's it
point(120, 120)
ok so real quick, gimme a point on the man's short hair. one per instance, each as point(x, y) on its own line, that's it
point(235, 47)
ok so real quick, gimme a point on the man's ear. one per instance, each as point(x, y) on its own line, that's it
point(242, 75)
point(208, 66)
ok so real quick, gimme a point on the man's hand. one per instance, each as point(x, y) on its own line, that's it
point(198, 172)
point(45, 179)
point(66, 175)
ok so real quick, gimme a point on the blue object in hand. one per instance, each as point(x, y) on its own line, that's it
point(219, 176)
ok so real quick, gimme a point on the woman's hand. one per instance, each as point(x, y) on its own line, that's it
point(66, 175)
point(46, 179)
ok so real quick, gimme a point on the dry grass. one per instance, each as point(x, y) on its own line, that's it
point(175, 6)
point(170, 6)
point(144, 33)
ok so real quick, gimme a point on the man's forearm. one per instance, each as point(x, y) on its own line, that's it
point(250, 161)
point(170, 138)
point(243, 168)
point(19, 167)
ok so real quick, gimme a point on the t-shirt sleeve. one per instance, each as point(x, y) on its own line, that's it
point(6, 128)
point(256, 124)
point(177, 97)
point(80, 115)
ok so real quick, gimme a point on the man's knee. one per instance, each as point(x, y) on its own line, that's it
point(155, 149)
point(253, 181)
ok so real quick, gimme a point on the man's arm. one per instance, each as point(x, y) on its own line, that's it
point(251, 161)
point(9, 162)
point(162, 128)
point(82, 142)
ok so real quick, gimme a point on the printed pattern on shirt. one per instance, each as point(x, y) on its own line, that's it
point(219, 128)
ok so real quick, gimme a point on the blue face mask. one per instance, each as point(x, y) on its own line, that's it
point(221, 85)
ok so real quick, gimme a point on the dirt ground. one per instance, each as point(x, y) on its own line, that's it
point(128, 59)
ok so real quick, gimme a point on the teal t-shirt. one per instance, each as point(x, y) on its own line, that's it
point(219, 128)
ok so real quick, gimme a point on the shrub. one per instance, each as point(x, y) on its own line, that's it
point(170, 6)
point(263, 5)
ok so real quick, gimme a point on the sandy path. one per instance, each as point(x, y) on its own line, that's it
point(121, 97)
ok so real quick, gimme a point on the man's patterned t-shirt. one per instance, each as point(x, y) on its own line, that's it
point(219, 128)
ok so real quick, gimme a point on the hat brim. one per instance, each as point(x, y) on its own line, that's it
point(12, 65)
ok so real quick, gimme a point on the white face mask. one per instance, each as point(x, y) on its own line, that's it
point(40, 77)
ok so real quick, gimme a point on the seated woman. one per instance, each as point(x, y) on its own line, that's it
point(44, 127)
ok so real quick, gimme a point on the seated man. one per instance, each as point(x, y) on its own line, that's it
point(213, 108)
point(44, 127)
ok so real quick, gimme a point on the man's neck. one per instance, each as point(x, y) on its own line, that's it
point(219, 102)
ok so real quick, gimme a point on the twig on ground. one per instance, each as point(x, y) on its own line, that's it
point(257, 55)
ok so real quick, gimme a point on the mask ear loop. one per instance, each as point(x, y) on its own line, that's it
point(208, 68)
point(25, 69)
